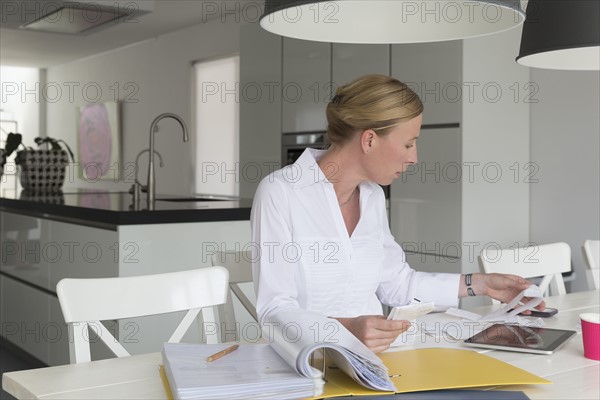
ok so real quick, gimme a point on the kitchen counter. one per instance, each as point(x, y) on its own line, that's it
point(110, 209)
point(99, 234)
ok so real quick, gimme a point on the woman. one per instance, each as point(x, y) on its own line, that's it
point(322, 228)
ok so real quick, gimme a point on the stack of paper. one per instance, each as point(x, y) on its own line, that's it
point(252, 371)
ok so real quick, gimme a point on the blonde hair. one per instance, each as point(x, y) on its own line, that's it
point(375, 102)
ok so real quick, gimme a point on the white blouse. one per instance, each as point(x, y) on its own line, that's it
point(304, 259)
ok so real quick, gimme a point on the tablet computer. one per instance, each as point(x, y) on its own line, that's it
point(521, 338)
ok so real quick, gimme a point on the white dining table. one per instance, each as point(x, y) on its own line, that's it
point(137, 377)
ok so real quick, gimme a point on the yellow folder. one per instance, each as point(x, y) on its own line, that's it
point(434, 369)
point(165, 382)
point(425, 369)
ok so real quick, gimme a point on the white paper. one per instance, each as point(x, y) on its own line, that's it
point(509, 313)
point(409, 313)
point(295, 335)
point(251, 371)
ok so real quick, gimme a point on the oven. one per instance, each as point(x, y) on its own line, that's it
point(293, 144)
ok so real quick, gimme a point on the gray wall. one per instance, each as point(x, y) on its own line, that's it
point(565, 146)
point(150, 78)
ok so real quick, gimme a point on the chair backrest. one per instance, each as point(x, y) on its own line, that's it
point(547, 260)
point(86, 302)
point(239, 265)
point(591, 254)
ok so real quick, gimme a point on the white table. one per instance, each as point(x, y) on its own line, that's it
point(137, 377)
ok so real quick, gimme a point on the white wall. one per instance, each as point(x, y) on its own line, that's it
point(565, 146)
point(21, 100)
point(217, 126)
point(150, 78)
point(495, 137)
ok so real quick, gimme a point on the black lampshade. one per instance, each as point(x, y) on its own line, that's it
point(561, 34)
point(389, 21)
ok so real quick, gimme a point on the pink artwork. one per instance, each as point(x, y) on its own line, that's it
point(98, 140)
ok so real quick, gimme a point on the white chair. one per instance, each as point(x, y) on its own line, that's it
point(239, 266)
point(547, 260)
point(591, 254)
point(86, 302)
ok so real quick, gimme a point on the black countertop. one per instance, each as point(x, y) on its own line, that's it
point(106, 209)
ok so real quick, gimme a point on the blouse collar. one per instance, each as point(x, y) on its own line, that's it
point(305, 171)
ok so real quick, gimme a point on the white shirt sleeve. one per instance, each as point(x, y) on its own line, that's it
point(400, 284)
point(274, 276)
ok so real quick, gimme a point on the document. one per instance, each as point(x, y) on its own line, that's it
point(352, 369)
point(251, 371)
point(282, 368)
point(296, 335)
point(509, 312)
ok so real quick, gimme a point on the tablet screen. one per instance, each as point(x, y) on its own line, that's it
point(520, 338)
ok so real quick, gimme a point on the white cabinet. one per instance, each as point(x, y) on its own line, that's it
point(350, 61)
point(39, 252)
point(285, 87)
point(36, 254)
point(306, 85)
point(433, 71)
point(466, 192)
point(25, 317)
point(425, 200)
point(313, 70)
point(25, 248)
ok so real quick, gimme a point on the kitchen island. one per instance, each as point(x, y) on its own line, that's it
point(93, 234)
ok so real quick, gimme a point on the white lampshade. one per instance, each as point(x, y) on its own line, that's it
point(389, 21)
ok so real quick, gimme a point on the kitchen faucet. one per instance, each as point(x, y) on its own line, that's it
point(151, 177)
point(137, 186)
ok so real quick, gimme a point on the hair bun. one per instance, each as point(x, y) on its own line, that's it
point(337, 99)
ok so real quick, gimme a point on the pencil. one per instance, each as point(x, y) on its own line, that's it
point(222, 353)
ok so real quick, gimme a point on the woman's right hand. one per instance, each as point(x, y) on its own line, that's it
point(376, 332)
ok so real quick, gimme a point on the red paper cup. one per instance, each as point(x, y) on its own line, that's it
point(590, 330)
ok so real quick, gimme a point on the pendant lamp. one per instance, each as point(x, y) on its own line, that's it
point(389, 21)
point(561, 34)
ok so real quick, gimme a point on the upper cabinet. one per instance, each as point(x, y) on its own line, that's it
point(350, 61)
point(433, 71)
point(312, 71)
point(306, 85)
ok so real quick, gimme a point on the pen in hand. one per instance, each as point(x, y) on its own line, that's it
point(222, 353)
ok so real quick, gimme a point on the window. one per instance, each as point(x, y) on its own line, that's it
point(217, 126)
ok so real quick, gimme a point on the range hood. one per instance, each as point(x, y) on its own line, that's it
point(80, 17)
